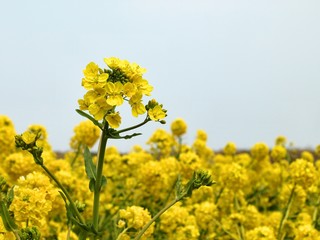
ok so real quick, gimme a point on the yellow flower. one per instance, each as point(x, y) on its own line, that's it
point(143, 86)
point(261, 233)
point(307, 156)
point(202, 135)
point(230, 148)
point(157, 113)
point(86, 133)
point(130, 89)
point(114, 91)
point(281, 140)
point(259, 151)
point(114, 119)
point(137, 108)
point(178, 127)
point(93, 78)
point(7, 133)
point(99, 108)
point(303, 172)
point(278, 153)
point(136, 217)
point(29, 137)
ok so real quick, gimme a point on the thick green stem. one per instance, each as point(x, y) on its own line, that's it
point(97, 186)
point(286, 213)
point(142, 231)
point(75, 209)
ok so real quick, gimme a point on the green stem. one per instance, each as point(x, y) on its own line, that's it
point(123, 232)
point(16, 235)
point(142, 231)
point(286, 212)
point(77, 155)
point(219, 195)
point(315, 213)
point(97, 186)
point(239, 225)
point(226, 231)
point(134, 127)
point(75, 209)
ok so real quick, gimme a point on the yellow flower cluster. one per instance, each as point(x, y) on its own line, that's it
point(85, 134)
point(249, 200)
point(109, 88)
point(34, 197)
point(134, 218)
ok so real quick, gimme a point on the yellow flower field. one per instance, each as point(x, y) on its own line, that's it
point(170, 190)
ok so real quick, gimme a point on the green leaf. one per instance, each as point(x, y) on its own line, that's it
point(89, 165)
point(86, 115)
point(92, 185)
point(179, 188)
point(103, 181)
point(10, 196)
point(8, 222)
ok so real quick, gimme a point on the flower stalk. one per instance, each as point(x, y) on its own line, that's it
point(98, 182)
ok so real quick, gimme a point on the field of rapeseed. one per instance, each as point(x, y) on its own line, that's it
point(170, 190)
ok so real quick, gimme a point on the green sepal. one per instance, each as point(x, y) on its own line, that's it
point(8, 222)
point(86, 115)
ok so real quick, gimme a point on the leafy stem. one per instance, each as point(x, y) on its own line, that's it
point(65, 192)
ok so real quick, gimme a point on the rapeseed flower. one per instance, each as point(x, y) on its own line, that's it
point(303, 173)
point(178, 127)
point(85, 134)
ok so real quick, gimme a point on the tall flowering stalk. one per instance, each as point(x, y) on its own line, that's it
point(107, 89)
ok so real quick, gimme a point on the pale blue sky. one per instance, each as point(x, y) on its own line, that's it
point(244, 71)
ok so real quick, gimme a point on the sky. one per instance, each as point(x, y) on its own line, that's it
point(243, 71)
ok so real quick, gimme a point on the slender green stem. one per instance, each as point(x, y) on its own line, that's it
point(226, 231)
point(286, 213)
point(134, 127)
point(142, 231)
point(16, 235)
point(239, 225)
point(123, 232)
point(315, 213)
point(75, 209)
point(97, 186)
point(76, 156)
point(219, 195)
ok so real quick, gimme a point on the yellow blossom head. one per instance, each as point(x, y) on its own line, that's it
point(303, 172)
point(85, 134)
point(281, 140)
point(230, 148)
point(178, 127)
